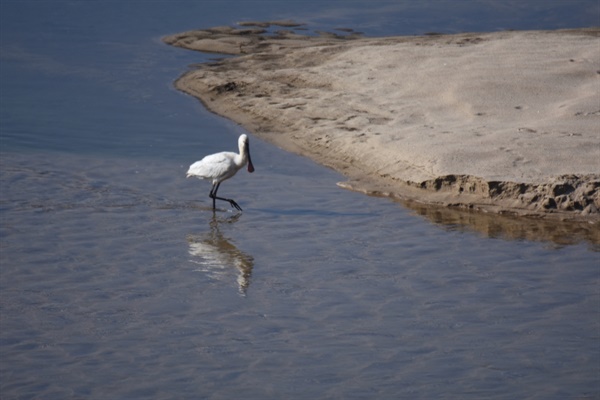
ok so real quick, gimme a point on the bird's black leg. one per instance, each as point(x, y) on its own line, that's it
point(213, 195)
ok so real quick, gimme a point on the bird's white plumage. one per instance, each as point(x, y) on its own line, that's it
point(221, 166)
point(215, 167)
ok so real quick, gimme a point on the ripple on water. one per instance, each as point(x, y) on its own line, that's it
point(111, 277)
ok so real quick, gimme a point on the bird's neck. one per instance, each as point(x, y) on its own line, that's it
point(242, 157)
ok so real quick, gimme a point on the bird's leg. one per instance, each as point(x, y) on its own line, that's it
point(213, 195)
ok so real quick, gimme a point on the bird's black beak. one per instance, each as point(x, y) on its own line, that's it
point(250, 166)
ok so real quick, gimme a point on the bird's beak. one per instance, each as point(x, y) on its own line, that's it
point(250, 166)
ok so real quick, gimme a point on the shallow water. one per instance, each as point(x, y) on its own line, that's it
point(118, 281)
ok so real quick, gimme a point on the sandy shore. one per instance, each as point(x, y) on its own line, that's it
point(505, 122)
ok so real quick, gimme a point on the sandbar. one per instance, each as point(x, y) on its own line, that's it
point(504, 122)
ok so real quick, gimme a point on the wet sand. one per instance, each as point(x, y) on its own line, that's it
point(504, 122)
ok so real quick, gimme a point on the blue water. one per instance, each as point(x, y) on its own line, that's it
point(117, 280)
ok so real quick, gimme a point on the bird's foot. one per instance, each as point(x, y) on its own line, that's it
point(235, 205)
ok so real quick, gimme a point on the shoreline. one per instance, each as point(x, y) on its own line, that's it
point(437, 119)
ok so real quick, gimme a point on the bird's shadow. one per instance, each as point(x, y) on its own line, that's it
point(217, 257)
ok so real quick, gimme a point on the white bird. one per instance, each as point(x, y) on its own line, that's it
point(221, 166)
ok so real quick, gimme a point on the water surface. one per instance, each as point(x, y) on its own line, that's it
point(118, 281)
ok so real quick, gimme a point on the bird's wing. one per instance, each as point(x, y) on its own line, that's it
point(212, 166)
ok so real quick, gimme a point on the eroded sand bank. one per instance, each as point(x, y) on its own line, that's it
point(504, 122)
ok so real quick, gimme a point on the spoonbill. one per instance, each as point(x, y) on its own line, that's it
point(221, 166)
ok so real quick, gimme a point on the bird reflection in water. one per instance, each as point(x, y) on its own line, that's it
point(218, 257)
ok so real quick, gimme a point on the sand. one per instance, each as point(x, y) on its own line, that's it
point(505, 122)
